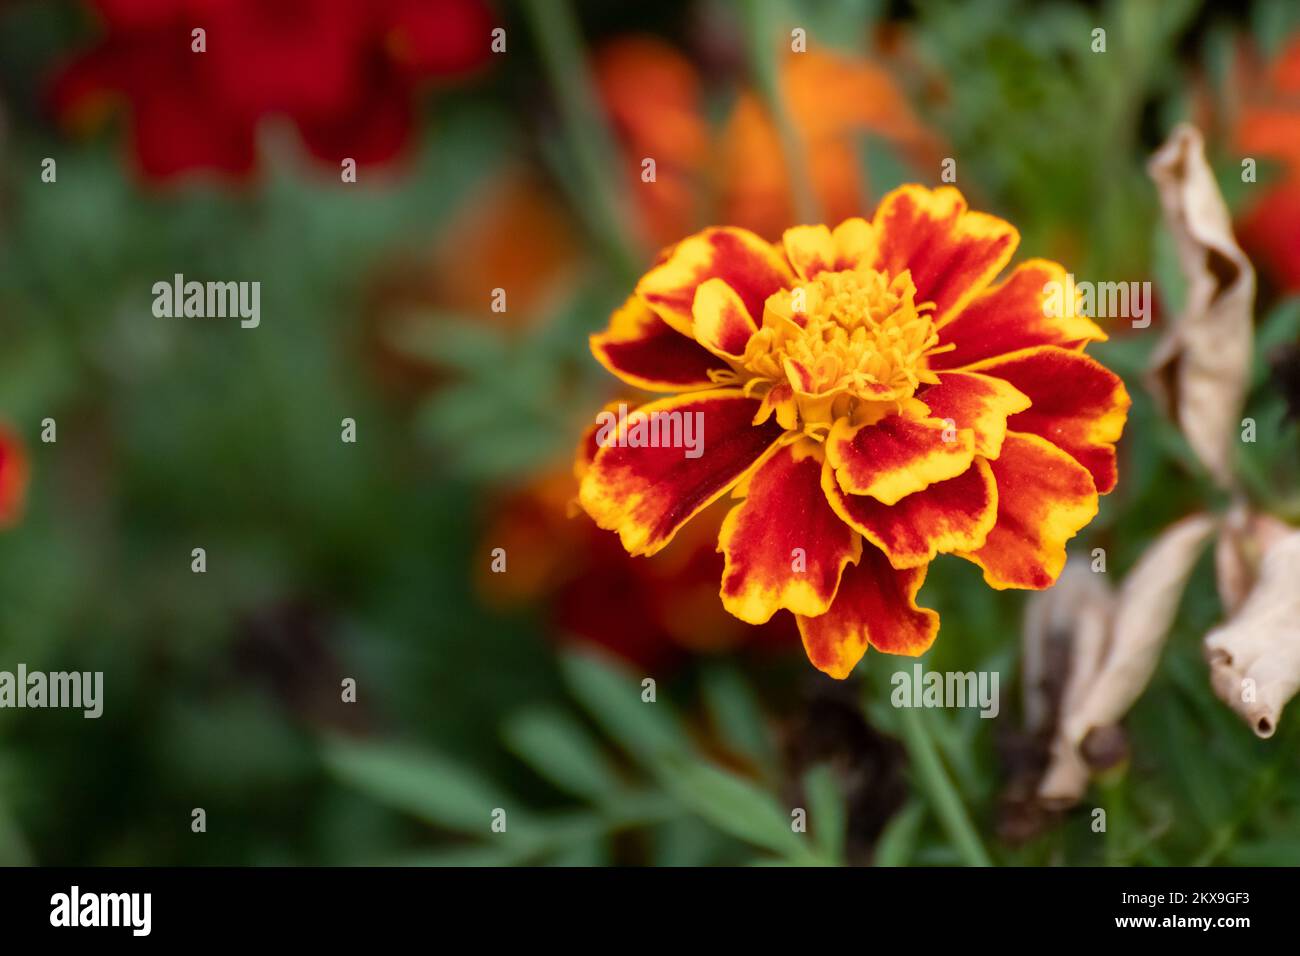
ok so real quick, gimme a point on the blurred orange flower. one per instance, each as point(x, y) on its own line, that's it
point(1268, 127)
point(652, 93)
point(832, 101)
point(510, 233)
point(874, 399)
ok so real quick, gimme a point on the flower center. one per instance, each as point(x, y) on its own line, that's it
point(848, 343)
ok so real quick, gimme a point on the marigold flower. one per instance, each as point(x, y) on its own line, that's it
point(875, 401)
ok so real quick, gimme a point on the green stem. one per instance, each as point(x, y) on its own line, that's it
point(587, 134)
point(939, 791)
point(762, 30)
point(1112, 795)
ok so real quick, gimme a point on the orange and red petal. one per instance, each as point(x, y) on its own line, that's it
point(647, 493)
point(1022, 311)
point(953, 253)
point(1044, 498)
point(816, 249)
point(948, 516)
point(875, 606)
point(589, 443)
point(779, 400)
point(981, 403)
point(853, 239)
point(722, 323)
point(1079, 405)
point(644, 351)
point(809, 249)
point(750, 265)
point(897, 455)
point(783, 545)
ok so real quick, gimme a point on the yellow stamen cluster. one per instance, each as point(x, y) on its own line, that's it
point(848, 343)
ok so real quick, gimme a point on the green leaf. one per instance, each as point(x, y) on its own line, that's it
point(582, 853)
point(14, 850)
point(736, 714)
point(1171, 284)
point(827, 811)
point(500, 854)
point(649, 731)
point(776, 861)
point(560, 749)
point(450, 341)
point(897, 841)
point(887, 169)
point(1276, 851)
point(1280, 327)
point(1128, 356)
point(686, 840)
point(426, 785)
point(735, 806)
point(1191, 767)
point(1272, 21)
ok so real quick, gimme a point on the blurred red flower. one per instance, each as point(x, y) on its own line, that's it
point(13, 477)
point(344, 73)
point(656, 613)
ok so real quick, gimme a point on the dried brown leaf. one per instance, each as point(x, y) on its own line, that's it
point(1067, 772)
point(1255, 657)
point(1246, 537)
point(1055, 662)
point(1144, 611)
point(1201, 369)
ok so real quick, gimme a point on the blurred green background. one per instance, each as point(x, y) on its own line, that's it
point(328, 560)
